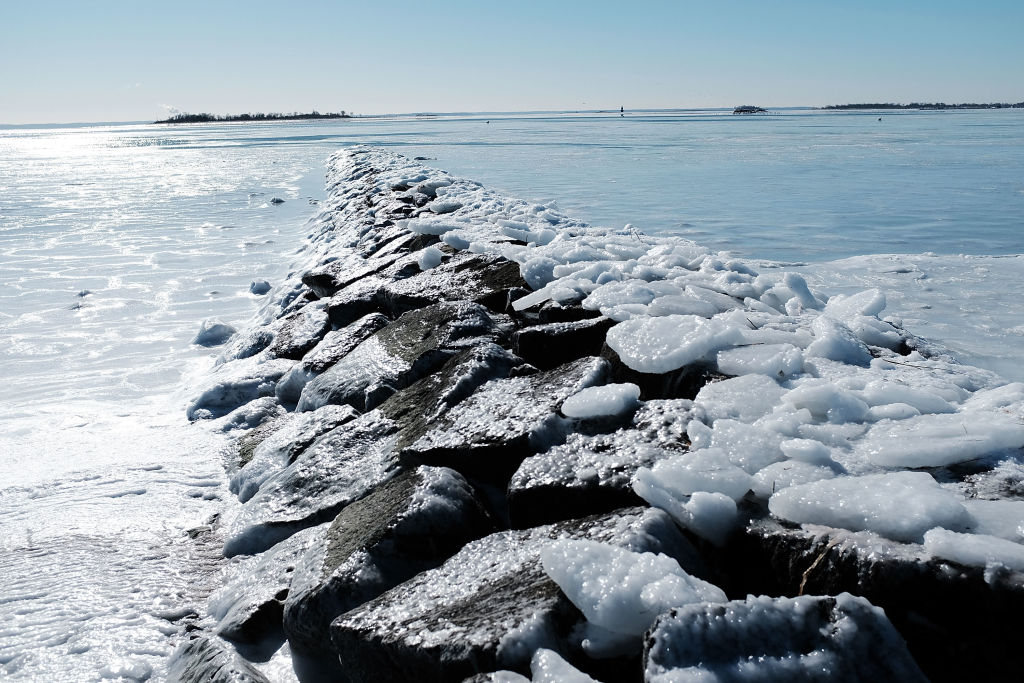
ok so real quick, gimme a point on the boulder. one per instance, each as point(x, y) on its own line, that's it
point(482, 278)
point(548, 346)
point(684, 382)
point(206, 658)
point(409, 348)
point(249, 604)
point(842, 638)
point(407, 525)
point(340, 467)
point(274, 446)
point(335, 345)
point(328, 279)
point(487, 608)
point(504, 421)
point(246, 344)
point(300, 331)
point(213, 333)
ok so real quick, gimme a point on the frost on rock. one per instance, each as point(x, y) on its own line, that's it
point(503, 421)
point(489, 607)
point(842, 638)
point(409, 348)
point(408, 525)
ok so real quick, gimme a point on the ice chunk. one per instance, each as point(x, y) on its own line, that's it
point(977, 550)
point(704, 470)
point(751, 447)
point(430, 257)
point(940, 440)
point(259, 287)
point(898, 505)
point(744, 398)
point(1000, 518)
point(213, 333)
point(870, 302)
point(455, 240)
point(775, 360)
point(801, 292)
point(607, 400)
point(827, 400)
point(879, 392)
point(547, 667)
point(620, 590)
point(836, 341)
point(682, 304)
point(780, 475)
point(807, 450)
point(432, 226)
point(667, 343)
point(538, 271)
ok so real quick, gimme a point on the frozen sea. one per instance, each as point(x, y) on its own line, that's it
point(117, 241)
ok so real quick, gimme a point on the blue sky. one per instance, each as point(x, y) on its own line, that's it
point(119, 61)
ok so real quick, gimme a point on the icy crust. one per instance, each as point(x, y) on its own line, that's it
point(844, 638)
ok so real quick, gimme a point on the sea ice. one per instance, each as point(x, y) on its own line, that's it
point(607, 400)
point(775, 360)
point(660, 345)
point(620, 590)
point(977, 550)
point(898, 505)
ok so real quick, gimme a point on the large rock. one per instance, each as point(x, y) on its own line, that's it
point(684, 382)
point(481, 278)
point(548, 346)
point(409, 348)
point(339, 468)
point(954, 618)
point(506, 420)
point(487, 608)
point(407, 525)
point(589, 474)
point(249, 605)
point(273, 446)
point(208, 659)
point(300, 331)
point(335, 345)
point(841, 638)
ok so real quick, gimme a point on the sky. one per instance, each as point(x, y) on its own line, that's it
point(135, 61)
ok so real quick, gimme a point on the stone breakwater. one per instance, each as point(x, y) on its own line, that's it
point(480, 440)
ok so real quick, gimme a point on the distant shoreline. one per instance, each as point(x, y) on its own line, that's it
point(214, 118)
point(924, 105)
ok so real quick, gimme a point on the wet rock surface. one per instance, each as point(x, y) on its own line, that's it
point(430, 404)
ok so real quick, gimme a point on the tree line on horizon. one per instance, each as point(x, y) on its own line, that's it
point(928, 105)
point(208, 118)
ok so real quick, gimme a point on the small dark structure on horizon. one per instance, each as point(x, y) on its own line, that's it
point(749, 109)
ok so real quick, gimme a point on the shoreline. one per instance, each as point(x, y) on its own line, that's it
point(443, 338)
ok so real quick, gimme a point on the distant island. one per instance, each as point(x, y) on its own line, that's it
point(749, 109)
point(209, 118)
point(927, 105)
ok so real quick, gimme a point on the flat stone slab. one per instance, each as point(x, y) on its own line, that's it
point(409, 348)
point(407, 525)
point(506, 420)
point(487, 608)
point(589, 474)
point(842, 638)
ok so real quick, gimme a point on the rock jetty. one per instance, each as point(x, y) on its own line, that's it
point(479, 440)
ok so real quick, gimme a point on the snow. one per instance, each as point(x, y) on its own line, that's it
point(607, 400)
point(901, 506)
point(620, 590)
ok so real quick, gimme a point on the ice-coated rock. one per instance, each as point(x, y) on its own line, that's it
point(252, 414)
point(589, 474)
point(842, 638)
point(250, 602)
point(339, 468)
point(263, 455)
point(328, 279)
point(505, 420)
point(484, 279)
point(549, 345)
point(213, 333)
point(236, 383)
point(205, 658)
point(246, 343)
point(407, 525)
point(396, 356)
point(489, 607)
point(300, 331)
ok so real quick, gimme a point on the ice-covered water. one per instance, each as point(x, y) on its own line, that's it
point(116, 241)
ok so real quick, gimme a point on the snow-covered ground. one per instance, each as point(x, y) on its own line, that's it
point(116, 242)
